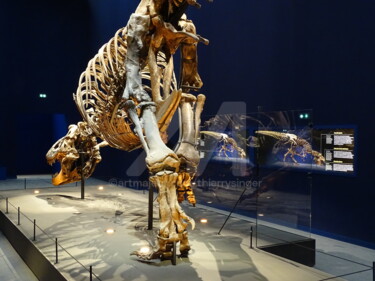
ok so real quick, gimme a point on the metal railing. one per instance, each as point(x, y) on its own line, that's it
point(57, 246)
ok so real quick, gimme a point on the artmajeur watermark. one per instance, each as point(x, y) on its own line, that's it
point(225, 184)
point(136, 184)
point(200, 183)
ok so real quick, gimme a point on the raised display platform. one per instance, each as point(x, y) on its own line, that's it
point(80, 226)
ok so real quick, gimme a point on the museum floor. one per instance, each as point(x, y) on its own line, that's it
point(81, 225)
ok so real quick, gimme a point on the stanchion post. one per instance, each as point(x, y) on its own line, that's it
point(6, 206)
point(174, 256)
point(373, 271)
point(251, 237)
point(57, 253)
point(19, 216)
point(34, 238)
point(24, 183)
point(90, 272)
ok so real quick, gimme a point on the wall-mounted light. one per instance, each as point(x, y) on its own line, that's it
point(42, 96)
point(204, 220)
point(36, 191)
point(100, 188)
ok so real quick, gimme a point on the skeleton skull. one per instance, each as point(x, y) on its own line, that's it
point(77, 152)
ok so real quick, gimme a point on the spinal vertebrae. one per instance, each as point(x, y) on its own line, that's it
point(128, 95)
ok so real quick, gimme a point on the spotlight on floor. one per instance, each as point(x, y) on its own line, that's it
point(100, 188)
point(36, 191)
point(110, 231)
point(145, 250)
point(204, 220)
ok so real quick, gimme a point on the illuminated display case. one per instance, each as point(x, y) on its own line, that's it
point(259, 166)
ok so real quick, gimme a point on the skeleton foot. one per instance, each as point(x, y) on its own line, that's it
point(149, 255)
point(184, 187)
point(162, 255)
point(184, 245)
point(173, 220)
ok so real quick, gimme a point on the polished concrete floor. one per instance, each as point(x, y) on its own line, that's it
point(81, 224)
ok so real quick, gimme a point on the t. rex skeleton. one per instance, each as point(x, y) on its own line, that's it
point(294, 142)
point(127, 97)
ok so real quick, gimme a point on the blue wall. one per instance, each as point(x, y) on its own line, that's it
point(45, 45)
point(277, 54)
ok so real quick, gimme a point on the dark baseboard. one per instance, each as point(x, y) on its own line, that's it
point(42, 268)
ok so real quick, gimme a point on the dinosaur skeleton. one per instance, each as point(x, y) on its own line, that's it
point(294, 143)
point(228, 144)
point(127, 97)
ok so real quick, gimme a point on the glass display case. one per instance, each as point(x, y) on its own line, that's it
point(259, 165)
point(286, 158)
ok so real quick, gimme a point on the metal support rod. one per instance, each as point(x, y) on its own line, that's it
point(6, 206)
point(57, 253)
point(25, 183)
point(373, 271)
point(150, 207)
point(34, 239)
point(257, 177)
point(174, 256)
point(19, 216)
point(82, 178)
point(90, 272)
point(82, 187)
point(234, 207)
point(251, 237)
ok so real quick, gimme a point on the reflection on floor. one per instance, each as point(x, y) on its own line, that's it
point(80, 226)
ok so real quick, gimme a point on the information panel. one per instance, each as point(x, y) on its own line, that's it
point(338, 148)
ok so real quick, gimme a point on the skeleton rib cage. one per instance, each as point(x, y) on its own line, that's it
point(100, 91)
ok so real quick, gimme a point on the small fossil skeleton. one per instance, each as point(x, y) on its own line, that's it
point(227, 144)
point(294, 142)
point(127, 97)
